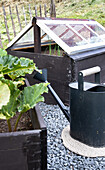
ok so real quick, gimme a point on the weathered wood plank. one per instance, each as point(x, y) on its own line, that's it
point(30, 11)
point(95, 60)
point(5, 21)
point(40, 9)
point(52, 9)
point(45, 11)
point(1, 45)
point(37, 40)
point(35, 10)
point(24, 15)
point(13, 25)
point(18, 18)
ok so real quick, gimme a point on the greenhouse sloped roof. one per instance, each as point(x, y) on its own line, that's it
point(72, 35)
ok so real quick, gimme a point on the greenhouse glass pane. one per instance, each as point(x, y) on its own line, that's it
point(96, 28)
point(65, 34)
point(45, 37)
point(85, 32)
point(28, 38)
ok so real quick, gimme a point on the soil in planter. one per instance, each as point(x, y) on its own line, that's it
point(24, 123)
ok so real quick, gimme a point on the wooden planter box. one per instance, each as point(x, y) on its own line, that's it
point(64, 69)
point(25, 150)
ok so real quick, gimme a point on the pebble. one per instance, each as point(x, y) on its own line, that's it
point(59, 157)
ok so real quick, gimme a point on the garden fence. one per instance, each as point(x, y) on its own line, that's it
point(15, 16)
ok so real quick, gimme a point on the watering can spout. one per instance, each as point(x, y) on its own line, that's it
point(43, 78)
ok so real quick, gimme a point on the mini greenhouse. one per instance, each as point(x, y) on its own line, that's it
point(71, 35)
point(64, 46)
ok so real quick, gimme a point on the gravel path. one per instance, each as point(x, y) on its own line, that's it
point(60, 158)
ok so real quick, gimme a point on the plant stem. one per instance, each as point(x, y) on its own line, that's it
point(50, 49)
point(55, 50)
point(58, 51)
point(9, 125)
point(17, 121)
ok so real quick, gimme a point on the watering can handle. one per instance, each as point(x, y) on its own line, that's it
point(83, 73)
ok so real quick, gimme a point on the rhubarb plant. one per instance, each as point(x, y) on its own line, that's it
point(12, 99)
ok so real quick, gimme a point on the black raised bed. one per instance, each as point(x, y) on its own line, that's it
point(25, 150)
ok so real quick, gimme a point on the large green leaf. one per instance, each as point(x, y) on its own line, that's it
point(12, 99)
point(9, 110)
point(16, 67)
point(31, 95)
point(21, 67)
point(6, 62)
point(4, 94)
point(2, 52)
